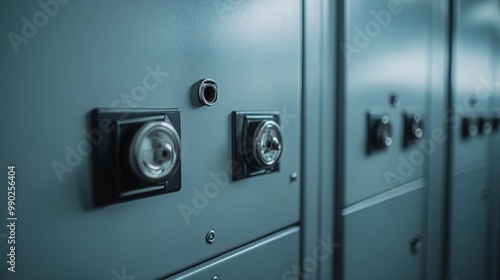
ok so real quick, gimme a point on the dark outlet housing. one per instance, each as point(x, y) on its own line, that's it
point(257, 143)
point(138, 157)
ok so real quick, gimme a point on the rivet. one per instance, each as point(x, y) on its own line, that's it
point(210, 236)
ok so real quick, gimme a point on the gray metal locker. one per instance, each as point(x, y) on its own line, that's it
point(95, 54)
point(386, 143)
point(468, 233)
point(386, 59)
point(383, 235)
point(263, 259)
point(472, 126)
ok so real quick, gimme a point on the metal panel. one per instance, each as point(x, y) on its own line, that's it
point(385, 52)
point(94, 54)
point(312, 129)
point(472, 78)
point(386, 58)
point(436, 192)
point(468, 230)
point(378, 232)
point(472, 96)
point(261, 260)
point(495, 254)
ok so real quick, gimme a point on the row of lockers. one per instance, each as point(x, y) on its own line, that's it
point(271, 139)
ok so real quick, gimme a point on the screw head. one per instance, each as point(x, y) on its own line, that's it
point(210, 236)
point(216, 277)
point(294, 176)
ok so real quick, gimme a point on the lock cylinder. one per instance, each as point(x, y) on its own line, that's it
point(379, 132)
point(141, 158)
point(154, 151)
point(413, 128)
point(266, 144)
point(383, 133)
point(257, 143)
point(485, 126)
point(469, 127)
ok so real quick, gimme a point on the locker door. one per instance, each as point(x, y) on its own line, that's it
point(383, 235)
point(471, 119)
point(468, 232)
point(385, 147)
point(130, 55)
point(259, 260)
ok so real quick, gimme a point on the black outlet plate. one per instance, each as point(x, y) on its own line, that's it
point(113, 183)
point(241, 124)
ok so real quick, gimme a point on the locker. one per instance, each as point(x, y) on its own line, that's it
point(473, 88)
point(383, 235)
point(469, 244)
point(384, 81)
point(270, 139)
point(259, 260)
point(386, 142)
point(130, 55)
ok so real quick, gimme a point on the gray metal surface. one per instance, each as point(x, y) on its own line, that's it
point(319, 121)
point(386, 50)
point(377, 235)
point(312, 128)
point(93, 54)
point(469, 245)
point(473, 85)
point(437, 175)
point(264, 259)
point(495, 253)
point(472, 78)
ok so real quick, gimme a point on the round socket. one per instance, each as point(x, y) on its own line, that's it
point(154, 152)
point(266, 143)
point(208, 92)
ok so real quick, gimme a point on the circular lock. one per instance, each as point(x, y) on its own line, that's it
point(495, 120)
point(415, 243)
point(485, 126)
point(154, 152)
point(469, 127)
point(473, 129)
point(266, 143)
point(383, 133)
point(416, 127)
